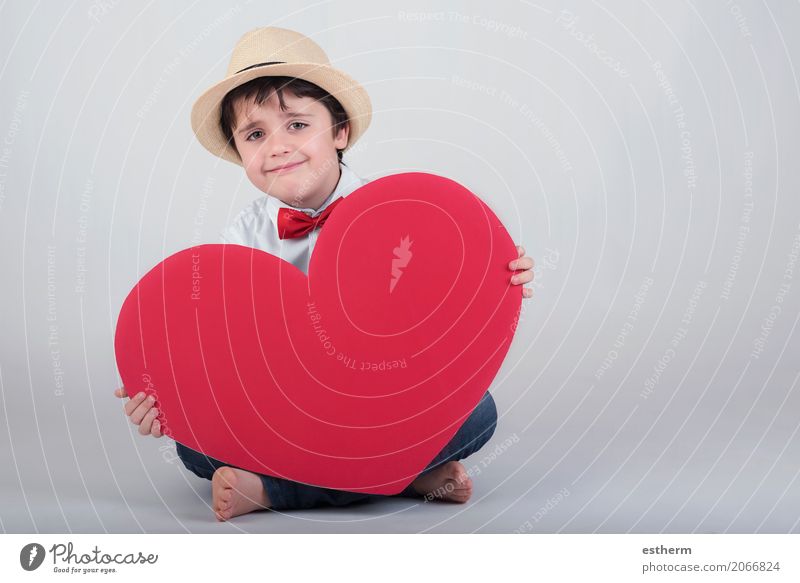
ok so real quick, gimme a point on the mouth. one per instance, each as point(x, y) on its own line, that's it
point(286, 168)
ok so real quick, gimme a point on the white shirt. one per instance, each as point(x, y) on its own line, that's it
point(257, 225)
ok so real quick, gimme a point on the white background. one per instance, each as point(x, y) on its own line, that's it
point(565, 118)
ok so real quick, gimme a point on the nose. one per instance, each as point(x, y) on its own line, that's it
point(277, 144)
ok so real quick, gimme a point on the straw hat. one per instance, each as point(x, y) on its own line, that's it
point(270, 52)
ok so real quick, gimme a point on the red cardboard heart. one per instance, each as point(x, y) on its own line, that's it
point(353, 378)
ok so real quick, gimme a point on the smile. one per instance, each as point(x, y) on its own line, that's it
point(284, 169)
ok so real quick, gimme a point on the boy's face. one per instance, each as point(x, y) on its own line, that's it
point(290, 154)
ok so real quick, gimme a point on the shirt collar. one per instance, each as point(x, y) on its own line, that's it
point(348, 182)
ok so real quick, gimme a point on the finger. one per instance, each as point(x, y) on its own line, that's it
point(155, 431)
point(521, 250)
point(522, 277)
point(121, 393)
point(147, 422)
point(131, 405)
point(142, 410)
point(523, 263)
point(138, 415)
point(527, 292)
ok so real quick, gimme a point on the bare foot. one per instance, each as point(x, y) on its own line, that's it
point(448, 482)
point(235, 492)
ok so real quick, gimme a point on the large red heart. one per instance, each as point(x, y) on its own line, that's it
point(353, 378)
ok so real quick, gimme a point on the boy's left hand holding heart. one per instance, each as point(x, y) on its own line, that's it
point(524, 268)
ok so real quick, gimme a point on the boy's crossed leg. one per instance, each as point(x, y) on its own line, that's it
point(236, 491)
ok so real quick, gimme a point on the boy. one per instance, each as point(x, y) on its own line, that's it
point(287, 116)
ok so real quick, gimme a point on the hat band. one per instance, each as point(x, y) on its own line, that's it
point(260, 65)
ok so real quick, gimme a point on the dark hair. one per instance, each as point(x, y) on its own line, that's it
point(262, 87)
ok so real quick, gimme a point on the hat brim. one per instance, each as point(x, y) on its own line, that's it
point(206, 110)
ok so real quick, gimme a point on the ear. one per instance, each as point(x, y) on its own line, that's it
point(340, 141)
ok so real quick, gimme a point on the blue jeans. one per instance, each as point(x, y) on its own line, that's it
point(287, 495)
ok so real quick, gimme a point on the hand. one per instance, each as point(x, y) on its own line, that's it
point(141, 412)
point(524, 266)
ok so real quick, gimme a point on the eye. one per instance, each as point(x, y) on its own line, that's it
point(298, 123)
point(254, 133)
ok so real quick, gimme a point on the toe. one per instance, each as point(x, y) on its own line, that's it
point(462, 489)
point(227, 476)
point(462, 492)
point(456, 471)
point(464, 495)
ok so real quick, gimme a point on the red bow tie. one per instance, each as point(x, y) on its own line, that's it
point(293, 224)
